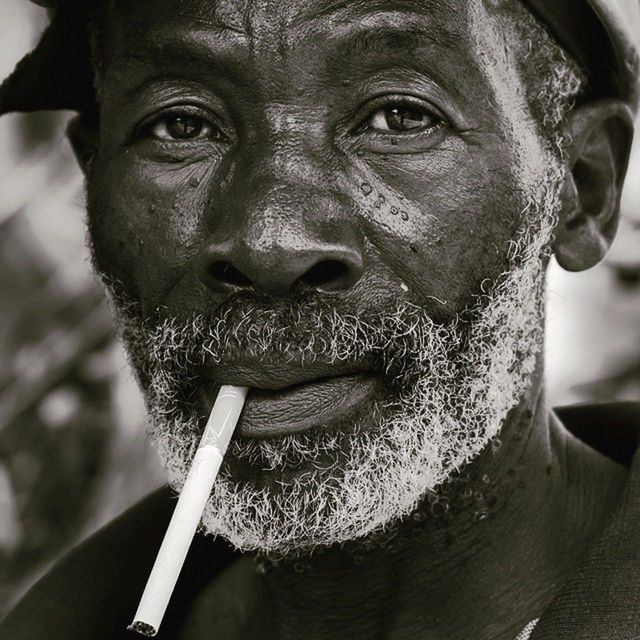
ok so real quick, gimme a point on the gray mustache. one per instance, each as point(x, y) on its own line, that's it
point(302, 336)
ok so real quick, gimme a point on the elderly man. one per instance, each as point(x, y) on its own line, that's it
point(349, 208)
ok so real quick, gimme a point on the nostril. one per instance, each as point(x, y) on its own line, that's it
point(223, 271)
point(325, 272)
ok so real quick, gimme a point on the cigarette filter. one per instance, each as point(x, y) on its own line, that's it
point(188, 512)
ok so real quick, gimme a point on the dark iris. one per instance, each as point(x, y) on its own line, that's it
point(405, 118)
point(184, 127)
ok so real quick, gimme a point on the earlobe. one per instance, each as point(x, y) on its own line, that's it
point(600, 135)
point(83, 136)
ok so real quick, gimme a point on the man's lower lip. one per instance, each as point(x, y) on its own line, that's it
point(320, 403)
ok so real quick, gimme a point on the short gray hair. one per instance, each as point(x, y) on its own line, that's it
point(554, 81)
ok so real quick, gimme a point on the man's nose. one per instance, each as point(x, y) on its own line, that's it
point(276, 235)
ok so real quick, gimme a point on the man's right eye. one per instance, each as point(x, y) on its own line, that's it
point(402, 119)
point(180, 127)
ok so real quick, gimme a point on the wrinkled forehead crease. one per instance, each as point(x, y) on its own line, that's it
point(208, 46)
point(247, 22)
point(238, 15)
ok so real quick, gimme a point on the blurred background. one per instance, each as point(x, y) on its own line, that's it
point(72, 443)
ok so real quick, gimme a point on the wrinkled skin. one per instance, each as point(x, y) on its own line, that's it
point(294, 188)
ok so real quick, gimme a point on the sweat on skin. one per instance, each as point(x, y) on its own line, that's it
point(263, 180)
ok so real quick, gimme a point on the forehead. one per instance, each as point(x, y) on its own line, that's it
point(264, 29)
point(252, 17)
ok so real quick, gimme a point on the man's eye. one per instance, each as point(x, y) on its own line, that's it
point(401, 119)
point(182, 127)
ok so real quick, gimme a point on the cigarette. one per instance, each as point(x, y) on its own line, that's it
point(188, 512)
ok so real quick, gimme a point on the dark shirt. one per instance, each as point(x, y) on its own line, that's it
point(93, 592)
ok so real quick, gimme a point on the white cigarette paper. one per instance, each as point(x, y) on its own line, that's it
point(188, 512)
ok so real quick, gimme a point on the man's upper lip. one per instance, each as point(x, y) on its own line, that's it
point(276, 376)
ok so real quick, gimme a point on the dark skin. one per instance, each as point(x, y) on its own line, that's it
point(281, 142)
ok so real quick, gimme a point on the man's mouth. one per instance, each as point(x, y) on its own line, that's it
point(288, 400)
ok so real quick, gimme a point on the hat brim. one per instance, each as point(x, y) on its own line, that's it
point(57, 73)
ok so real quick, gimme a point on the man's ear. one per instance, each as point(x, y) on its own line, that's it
point(599, 135)
point(83, 136)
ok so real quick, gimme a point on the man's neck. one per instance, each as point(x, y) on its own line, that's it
point(479, 560)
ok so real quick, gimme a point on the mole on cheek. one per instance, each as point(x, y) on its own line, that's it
point(366, 188)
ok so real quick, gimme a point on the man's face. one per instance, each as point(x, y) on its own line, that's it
point(312, 199)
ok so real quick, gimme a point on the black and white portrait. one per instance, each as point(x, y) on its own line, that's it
point(320, 320)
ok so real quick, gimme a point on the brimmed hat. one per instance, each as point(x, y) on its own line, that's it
point(602, 35)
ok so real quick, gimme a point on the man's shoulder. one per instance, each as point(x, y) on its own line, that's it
point(601, 599)
point(613, 428)
point(93, 591)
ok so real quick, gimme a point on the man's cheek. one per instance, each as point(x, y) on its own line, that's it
point(441, 228)
point(148, 222)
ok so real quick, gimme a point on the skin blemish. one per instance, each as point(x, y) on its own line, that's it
point(366, 188)
point(194, 182)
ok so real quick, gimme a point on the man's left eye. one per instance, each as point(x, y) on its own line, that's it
point(182, 127)
point(401, 119)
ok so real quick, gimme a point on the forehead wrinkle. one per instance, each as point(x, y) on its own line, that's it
point(266, 20)
point(382, 33)
point(202, 35)
point(188, 50)
point(265, 24)
point(350, 10)
point(215, 15)
point(231, 13)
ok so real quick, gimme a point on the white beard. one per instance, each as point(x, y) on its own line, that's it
point(465, 379)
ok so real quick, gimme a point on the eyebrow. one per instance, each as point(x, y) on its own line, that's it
point(209, 50)
point(384, 37)
point(352, 10)
point(368, 31)
point(407, 43)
